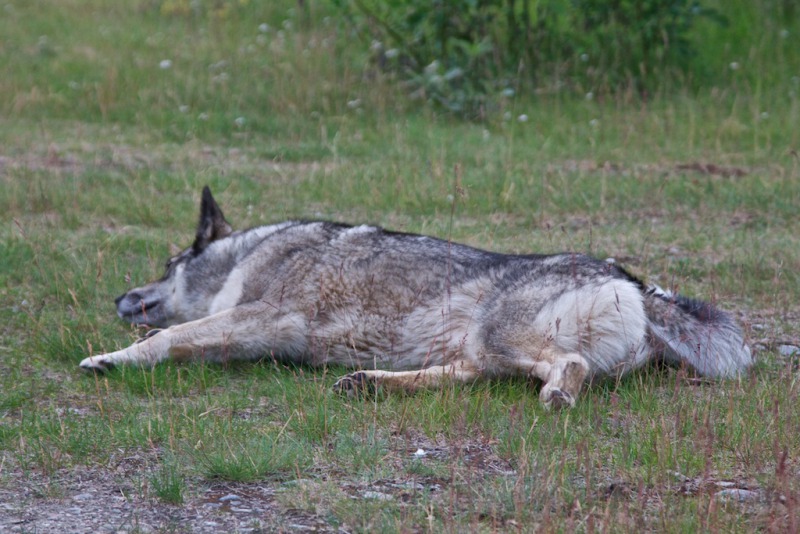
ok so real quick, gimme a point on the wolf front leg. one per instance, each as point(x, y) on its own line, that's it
point(241, 333)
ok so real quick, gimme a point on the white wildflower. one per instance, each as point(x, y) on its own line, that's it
point(432, 68)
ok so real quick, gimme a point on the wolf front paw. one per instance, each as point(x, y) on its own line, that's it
point(96, 364)
point(356, 385)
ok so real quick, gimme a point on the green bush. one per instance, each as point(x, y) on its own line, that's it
point(463, 54)
point(638, 42)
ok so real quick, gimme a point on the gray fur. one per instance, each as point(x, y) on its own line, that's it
point(698, 334)
point(412, 310)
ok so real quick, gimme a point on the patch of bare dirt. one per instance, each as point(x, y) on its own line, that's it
point(78, 159)
point(608, 167)
point(68, 161)
point(713, 169)
point(53, 163)
point(97, 500)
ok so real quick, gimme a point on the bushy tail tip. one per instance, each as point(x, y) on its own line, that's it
point(696, 333)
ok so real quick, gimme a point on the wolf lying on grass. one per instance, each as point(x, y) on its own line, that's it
point(410, 311)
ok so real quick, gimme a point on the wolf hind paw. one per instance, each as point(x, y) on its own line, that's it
point(557, 399)
point(356, 385)
point(96, 364)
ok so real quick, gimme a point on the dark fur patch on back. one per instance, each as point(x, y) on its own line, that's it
point(623, 273)
point(700, 310)
point(703, 311)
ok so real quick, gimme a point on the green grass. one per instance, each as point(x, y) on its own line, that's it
point(100, 172)
point(167, 483)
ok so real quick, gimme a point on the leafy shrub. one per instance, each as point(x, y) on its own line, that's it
point(638, 41)
point(463, 53)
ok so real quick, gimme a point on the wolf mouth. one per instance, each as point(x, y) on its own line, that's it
point(132, 306)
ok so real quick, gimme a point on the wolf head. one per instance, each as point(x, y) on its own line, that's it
point(192, 277)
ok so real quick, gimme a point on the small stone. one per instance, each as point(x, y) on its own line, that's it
point(679, 475)
point(788, 350)
point(230, 497)
point(737, 494)
point(377, 495)
point(414, 486)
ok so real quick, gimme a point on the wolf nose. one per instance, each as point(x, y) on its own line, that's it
point(130, 299)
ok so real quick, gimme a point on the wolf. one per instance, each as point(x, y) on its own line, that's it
point(408, 311)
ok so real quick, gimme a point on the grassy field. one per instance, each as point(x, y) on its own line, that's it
point(114, 115)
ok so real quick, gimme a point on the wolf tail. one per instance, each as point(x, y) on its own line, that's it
point(693, 332)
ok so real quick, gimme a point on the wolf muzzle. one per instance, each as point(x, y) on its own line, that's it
point(136, 308)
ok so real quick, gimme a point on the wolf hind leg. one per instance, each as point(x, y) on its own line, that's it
point(562, 373)
point(408, 381)
point(562, 377)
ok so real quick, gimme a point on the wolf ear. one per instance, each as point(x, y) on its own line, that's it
point(212, 225)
